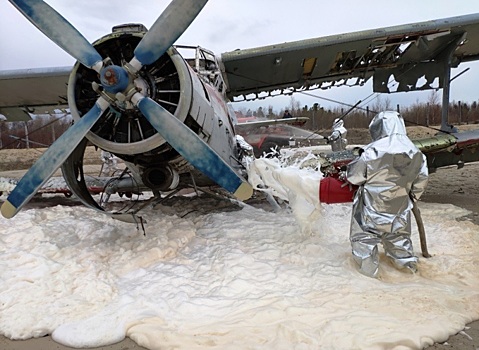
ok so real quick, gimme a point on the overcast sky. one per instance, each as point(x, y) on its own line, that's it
point(226, 25)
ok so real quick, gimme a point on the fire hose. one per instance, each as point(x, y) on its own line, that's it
point(420, 227)
point(333, 190)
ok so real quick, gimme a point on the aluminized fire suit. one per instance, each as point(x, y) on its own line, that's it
point(337, 139)
point(389, 172)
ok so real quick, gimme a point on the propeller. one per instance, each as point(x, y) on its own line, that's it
point(51, 160)
point(192, 148)
point(165, 31)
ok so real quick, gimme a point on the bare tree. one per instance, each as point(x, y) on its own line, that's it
point(294, 106)
point(381, 104)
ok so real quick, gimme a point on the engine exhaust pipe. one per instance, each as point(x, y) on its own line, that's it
point(160, 178)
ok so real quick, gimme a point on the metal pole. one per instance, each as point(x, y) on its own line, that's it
point(445, 98)
point(446, 86)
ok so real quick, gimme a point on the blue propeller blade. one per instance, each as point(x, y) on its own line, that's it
point(194, 149)
point(174, 20)
point(60, 31)
point(51, 160)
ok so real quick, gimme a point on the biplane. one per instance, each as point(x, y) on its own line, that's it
point(165, 110)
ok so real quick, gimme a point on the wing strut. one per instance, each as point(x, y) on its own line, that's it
point(446, 86)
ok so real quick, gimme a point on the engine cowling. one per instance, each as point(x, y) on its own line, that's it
point(172, 83)
point(122, 130)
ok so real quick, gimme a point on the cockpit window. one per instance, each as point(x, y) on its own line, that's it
point(204, 63)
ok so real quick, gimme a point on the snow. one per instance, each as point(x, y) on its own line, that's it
point(211, 274)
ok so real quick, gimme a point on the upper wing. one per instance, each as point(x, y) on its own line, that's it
point(24, 89)
point(408, 52)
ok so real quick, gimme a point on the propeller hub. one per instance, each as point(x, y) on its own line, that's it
point(114, 79)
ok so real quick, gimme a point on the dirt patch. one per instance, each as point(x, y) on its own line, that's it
point(362, 136)
point(23, 158)
point(20, 159)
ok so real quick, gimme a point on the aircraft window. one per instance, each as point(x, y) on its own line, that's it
point(204, 63)
point(210, 65)
point(191, 62)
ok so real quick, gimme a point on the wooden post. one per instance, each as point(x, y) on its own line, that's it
point(53, 133)
point(26, 135)
point(460, 112)
point(427, 114)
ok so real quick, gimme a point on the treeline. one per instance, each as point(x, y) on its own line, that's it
point(420, 113)
point(41, 131)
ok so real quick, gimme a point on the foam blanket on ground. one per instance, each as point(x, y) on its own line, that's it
point(230, 278)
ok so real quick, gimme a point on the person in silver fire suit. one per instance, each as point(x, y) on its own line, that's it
point(391, 172)
point(337, 139)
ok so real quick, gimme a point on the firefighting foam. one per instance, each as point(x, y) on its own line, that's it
point(244, 277)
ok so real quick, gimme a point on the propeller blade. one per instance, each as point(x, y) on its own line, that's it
point(192, 148)
point(51, 160)
point(60, 31)
point(166, 30)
